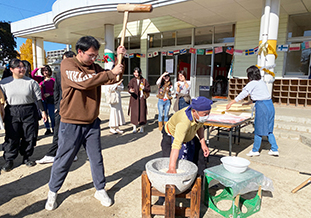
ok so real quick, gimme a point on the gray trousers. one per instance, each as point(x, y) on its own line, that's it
point(70, 139)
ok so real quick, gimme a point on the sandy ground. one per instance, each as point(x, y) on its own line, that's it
point(23, 191)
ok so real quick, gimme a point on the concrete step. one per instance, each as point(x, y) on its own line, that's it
point(305, 138)
point(293, 119)
point(292, 126)
point(285, 126)
point(278, 133)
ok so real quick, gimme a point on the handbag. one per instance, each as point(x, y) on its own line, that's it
point(146, 94)
point(112, 97)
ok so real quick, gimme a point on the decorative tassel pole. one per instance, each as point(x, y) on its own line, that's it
point(268, 40)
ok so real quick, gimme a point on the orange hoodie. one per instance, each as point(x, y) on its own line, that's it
point(81, 86)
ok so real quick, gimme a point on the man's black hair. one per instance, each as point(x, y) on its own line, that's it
point(68, 54)
point(86, 42)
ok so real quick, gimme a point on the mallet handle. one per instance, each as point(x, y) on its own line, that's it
point(301, 185)
point(120, 56)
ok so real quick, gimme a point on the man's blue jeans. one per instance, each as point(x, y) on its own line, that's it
point(163, 106)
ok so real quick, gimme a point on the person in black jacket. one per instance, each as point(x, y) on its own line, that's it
point(49, 157)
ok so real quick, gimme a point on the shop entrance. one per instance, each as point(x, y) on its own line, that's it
point(211, 71)
point(184, 63)
point(222, 63)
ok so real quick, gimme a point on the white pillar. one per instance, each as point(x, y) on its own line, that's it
point(268, 33)
point(34, 53)
point(40, 52)
point(109, 45)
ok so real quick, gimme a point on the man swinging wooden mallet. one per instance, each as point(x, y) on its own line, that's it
point(126, 8)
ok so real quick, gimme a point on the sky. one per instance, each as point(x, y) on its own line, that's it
point(15, 10)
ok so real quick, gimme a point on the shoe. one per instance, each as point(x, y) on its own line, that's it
point(48, 132)
point(103, 197)
point(113, 131)
point(134, 129)
point(76, 158)
point(253, 153)
point(141, 129)
point(273, 153)
point(45, 159)
point(29, 163)
point(119, 131)
point(8, 166)
point(51, 201)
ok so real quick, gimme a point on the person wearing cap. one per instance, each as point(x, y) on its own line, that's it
point(182, 127)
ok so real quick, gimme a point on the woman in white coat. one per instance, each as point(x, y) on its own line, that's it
point(116, 113)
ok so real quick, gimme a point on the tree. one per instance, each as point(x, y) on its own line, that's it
point(7, 43)
point(26, 52)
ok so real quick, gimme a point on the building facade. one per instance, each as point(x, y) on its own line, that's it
point(210, 40)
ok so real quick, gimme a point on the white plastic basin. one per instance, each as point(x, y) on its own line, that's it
point(235, 164)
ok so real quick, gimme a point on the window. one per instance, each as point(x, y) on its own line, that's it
point(203, 35)
point(224, 34)
point(118, 41)
point(169, 38)
point(155, 40)
point(134, 42)
point(299, 25)
point(154, 70)
point(298, 62)
point(130, 64)
point(184, 37)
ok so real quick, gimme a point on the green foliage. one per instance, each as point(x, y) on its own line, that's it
point(7, 43)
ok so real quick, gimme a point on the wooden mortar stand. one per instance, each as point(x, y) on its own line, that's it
point(169, 209)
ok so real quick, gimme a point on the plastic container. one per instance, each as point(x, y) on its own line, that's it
point(235, 164)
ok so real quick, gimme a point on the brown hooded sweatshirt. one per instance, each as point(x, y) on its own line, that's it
point(81, 86)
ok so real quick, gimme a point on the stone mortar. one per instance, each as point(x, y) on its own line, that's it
point(159, 179)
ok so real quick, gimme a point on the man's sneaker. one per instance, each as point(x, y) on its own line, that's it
point(113, 131)
point(141, 129)
point(45, 159)
point(51, 201)
point(103, 197)
point(273, 153)
point(253, 153)
point(76, 158)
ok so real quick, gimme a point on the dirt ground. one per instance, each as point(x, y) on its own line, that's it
point(23, 191)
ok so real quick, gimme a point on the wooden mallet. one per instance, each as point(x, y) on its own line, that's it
point(126, 8)
point(301, 185)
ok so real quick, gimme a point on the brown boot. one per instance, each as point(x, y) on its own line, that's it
point(164, 123)
point(160, 126)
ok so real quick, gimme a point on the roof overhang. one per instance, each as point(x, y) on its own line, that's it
point(71, 19)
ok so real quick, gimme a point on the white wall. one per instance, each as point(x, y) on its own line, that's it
point(247, 37)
